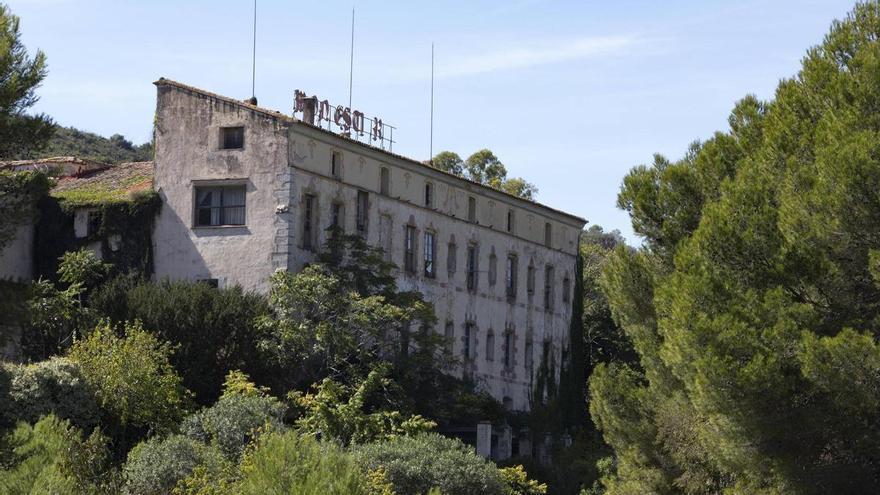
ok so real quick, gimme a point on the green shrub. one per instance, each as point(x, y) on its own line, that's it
point(233, 422)
point(211, 329)
point(133, 376)
point(52, 457)
point(36, 452)
point(158, 464)
point(414, 465)
point(53, 386)
point(288, 463)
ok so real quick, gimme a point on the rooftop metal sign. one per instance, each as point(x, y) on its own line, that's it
point(350, 123)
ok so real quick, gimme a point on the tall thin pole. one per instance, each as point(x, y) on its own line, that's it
point(431, 145)
point(351, 62)
point(254, 59)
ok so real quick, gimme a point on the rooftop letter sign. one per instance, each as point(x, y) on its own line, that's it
point(350, 123)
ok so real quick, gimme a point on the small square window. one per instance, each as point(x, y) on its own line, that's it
point(231, 138)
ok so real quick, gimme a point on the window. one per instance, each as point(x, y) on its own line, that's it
point(409, 249)
point(493, 269)
point(308, 225)
point(508, 349)
point(94, 223)
point(384, 181)
point(430, 246)
point(530, 359)
point(511, 220)
point(548, 288)
point(231, 138)
point(385, 233)
point(490, 345)
point(472, 267)
point(468, 335)
point(472, 209)
point(511, 276)
point(210, 282)
point(545, 352)
point(429, 195)
point(451, 258)
point(223, 205)
point(548, 234)
point(336, 164)
point(361, 216)
point(566, 287)
point(530, 279)
point(337, 218)
point(449, 333)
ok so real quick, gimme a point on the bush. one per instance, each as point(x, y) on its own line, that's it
point(289, 463)
point(158, 464)
point(414, 465)
point(233, 422)
point(53, 457)
point(36, 454)
point(211, 329)
point(133, 376)
point(53, 386)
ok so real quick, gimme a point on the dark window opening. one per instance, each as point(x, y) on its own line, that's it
point(409, 249)
point(472, 268)
point(508, 349)
point(336, 164)
point(472, 209)
point(94, 223)
point(384, 182)
point(511, 276)
point(361, 216)
point(429, 195)
point(232, 138)
point(308, 221)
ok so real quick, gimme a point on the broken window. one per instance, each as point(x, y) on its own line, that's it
point(430, 246)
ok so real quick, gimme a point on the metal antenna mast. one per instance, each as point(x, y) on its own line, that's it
point(254, 59)
point(431, 145)
point(351, 62)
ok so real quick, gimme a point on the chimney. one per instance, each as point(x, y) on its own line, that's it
point(310, 106)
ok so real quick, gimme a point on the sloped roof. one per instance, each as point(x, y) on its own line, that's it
point(56, 165)
point(112, 184)
point(279, 116)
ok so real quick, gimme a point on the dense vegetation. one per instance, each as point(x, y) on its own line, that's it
point(754, 303)
point(68, 141)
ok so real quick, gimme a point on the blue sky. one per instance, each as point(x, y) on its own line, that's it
point(569, 94)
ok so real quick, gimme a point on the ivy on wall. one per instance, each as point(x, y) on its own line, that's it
point(124, 233)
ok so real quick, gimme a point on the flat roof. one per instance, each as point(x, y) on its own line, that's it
point(275, 114)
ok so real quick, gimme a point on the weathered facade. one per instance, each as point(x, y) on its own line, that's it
point(248, 191)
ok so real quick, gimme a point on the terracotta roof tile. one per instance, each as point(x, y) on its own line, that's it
point(115, 183)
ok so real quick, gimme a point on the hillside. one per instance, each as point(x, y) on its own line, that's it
point(69, 141)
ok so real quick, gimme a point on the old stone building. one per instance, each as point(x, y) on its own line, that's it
point(247, 191)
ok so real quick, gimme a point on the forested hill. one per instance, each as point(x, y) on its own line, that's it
point(69, 141)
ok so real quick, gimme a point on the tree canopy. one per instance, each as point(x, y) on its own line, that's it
point(483, 167)
point(754, 303)
point(20, 76)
